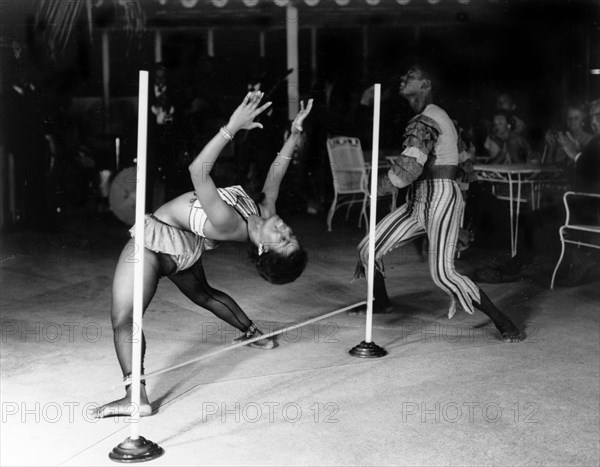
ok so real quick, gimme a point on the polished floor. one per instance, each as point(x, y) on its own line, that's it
point(448, 392)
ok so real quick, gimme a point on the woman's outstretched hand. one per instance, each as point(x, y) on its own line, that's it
point(304, 111)
point(243, 117)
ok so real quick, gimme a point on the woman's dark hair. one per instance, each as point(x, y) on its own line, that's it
point(278, 268)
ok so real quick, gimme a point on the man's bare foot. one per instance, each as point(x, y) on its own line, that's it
point(124, 407)
point(509, 332)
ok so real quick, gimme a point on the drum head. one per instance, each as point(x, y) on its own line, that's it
point(121, 195)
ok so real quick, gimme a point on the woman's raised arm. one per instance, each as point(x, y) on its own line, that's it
point(282, 161)
point(221, 216)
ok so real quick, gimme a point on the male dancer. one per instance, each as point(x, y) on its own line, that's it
point(428, 165)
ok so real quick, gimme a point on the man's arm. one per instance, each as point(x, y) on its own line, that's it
point(419, 140)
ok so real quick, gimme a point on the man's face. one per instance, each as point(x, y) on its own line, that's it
point(413, 82)
point(595, 118)
point(500, 125)
point(505, 102)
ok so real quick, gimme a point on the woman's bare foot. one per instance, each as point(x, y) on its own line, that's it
point(124, 407)
point(267, 343)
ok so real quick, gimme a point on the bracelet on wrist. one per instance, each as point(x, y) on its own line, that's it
point(283, 157)
point(225, 133)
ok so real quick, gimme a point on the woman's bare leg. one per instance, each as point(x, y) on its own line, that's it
point(155, 266)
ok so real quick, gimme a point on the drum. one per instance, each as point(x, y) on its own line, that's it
point(121, 195)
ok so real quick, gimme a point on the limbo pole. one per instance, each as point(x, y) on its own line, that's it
point(249, 341)
point(136, 448)
point(367, 348)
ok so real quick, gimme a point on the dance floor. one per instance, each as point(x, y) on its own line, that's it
point(448, 392)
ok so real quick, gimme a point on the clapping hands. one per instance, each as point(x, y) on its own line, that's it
point(569, 144)
point(551, 137)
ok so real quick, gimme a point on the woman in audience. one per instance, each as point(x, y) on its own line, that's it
point(559, 143)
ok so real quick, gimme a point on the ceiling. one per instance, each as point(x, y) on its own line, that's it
point(272, 13)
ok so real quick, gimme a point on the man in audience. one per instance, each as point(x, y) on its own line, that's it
point(506, 102)
point(505, 145)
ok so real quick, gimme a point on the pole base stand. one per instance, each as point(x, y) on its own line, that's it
point(367, 350)
point(136, 450)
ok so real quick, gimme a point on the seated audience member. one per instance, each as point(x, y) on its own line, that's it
point(579, 265)
point(504, 145)
point(466, 156)
point(586, 172)
point(575, 133)
point(505, 101)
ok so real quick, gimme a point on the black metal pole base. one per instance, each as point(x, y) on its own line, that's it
point(136, 450)
point(367, 350)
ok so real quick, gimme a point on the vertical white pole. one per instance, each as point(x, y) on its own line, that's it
point(210, 42)
point(373, 212)
point(291, 27)
point(12, 188)
point(138, 281)
point(313, 55)
point(157, 46)
point(106, 78)
point(365, 51)
point(262, 44)
point(117, 153)
point(5, 182)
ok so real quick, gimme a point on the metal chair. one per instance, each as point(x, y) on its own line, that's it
point(569, 229)
point(350, 182)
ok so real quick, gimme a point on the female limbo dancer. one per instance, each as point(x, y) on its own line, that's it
point(180, 230)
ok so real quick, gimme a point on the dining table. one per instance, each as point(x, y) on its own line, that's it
point(519, 177)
